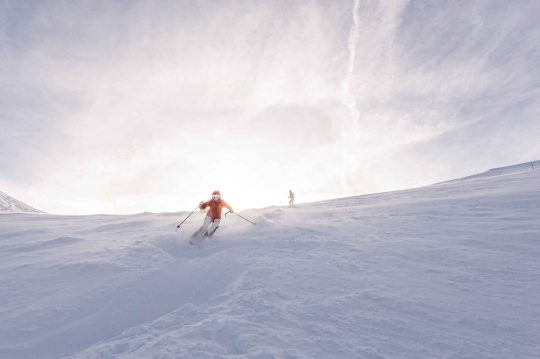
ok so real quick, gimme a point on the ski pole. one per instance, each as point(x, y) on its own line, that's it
point(245, 219)
point(178, 225)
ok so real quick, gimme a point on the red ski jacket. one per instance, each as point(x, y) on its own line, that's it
point(215, 208)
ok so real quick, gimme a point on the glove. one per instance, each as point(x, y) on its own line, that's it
point(231, 210)
point(201, 204)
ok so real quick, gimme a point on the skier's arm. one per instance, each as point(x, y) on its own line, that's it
point(226, 205)
point(203, 205)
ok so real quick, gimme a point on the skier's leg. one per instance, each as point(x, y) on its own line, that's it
point(203, 228)
point(213, 227)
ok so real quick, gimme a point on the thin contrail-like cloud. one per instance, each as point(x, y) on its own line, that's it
point(348, 96)
point(349, 99)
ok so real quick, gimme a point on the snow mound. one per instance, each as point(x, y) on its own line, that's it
point(11, 205)
point(443, 271)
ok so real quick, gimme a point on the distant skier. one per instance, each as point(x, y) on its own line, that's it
point(291, 199)
point(213, 216)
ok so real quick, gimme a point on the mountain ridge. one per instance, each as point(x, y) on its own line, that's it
point(9, 204)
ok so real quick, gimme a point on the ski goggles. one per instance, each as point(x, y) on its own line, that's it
point(216, 197)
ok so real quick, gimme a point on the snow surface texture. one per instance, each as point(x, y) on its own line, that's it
point(445, 271)
point(11, 205)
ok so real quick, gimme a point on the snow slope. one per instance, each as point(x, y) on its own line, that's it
point(445, 271)
point(10, 204)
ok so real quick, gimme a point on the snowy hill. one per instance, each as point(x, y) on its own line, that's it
point(444, 271)
point(9, 204)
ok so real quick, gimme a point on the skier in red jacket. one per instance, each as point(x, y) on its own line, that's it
point(213, 216)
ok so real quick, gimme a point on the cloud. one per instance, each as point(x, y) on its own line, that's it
point(143, 105)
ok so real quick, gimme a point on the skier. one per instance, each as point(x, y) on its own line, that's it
point(213, 216)
point(291, 199)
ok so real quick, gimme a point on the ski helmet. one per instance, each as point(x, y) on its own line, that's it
point(216, 195)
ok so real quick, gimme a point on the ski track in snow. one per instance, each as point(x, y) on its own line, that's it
point(444, 271)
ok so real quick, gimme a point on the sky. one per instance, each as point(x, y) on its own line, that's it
point(133, 106)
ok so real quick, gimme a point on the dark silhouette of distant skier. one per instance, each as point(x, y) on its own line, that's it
point(291, 199)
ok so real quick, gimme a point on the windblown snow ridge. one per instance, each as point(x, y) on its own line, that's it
point(498, 171)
